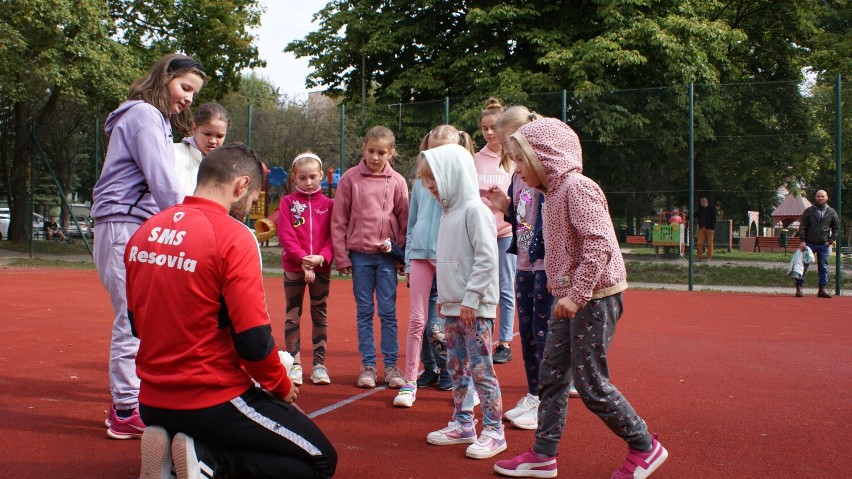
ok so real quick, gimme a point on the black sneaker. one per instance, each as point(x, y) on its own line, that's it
point(189, 459)
point(427, 378)
point(502, 354)
point(445, 383)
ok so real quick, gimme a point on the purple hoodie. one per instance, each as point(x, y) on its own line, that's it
point(139, 177)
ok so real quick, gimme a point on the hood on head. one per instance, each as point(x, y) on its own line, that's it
point(455, 175)
point(552, 148)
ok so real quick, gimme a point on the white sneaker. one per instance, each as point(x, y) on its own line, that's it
point(156, 454)
point(406, 396)
point(490, 443)
point(527, 420)
point(319, 375)
point(296, 374)
point(454, 433)
point(525, 404)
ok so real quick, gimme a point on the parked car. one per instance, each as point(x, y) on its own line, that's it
point(85, 227)
point(5, 218)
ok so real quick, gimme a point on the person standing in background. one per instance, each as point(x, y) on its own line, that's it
point(818, 229)
point(706, 217)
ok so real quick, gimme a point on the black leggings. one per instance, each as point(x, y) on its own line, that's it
point(253, 435)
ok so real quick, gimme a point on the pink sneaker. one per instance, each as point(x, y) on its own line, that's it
point(639, 465)
point(527, 464)
point(128, 428)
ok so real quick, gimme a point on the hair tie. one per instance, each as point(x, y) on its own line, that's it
point(307, 155)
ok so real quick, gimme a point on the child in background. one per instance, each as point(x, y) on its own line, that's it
point(467, 298)
point(586, 274)
point(304, 232)
point(210, 125)
point(494, 169)
point(138, 180)
point(424, 218)
point(371, 204)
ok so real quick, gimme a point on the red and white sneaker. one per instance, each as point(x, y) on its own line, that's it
point(527, 464)
point(124, 428)
point(639, 465)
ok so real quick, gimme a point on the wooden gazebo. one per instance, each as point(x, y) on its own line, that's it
point(790, 210)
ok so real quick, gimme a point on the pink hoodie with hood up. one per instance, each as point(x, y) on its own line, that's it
point(583, 259)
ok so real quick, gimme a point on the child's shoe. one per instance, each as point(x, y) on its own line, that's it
point(524, 404)
point(406, 396)
point(296, 374)
point(393, 377)
point(428, 378)
point(454, 433)
point(527, 464)
point(190, 459)
point(445, 382)
point(490, 443)
point(156, 454)
point(639, 465)
point(367, 379)
point(319, 375)
point(572, 391)
point(527, 420)
point(130, 427)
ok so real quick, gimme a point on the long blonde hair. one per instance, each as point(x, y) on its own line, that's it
point(153, 87)
point(510, 120)
point(448, 134)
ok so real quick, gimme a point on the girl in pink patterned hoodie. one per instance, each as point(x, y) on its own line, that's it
point(586, 275)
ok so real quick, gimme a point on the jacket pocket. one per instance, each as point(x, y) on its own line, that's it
point(452, 281)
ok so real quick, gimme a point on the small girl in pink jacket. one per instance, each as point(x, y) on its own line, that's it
point(304, 232)
point(586, 275)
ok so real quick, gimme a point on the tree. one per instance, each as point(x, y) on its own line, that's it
point(55, 49)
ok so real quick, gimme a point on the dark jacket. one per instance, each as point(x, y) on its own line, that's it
point(706, 217)
point(819, 226)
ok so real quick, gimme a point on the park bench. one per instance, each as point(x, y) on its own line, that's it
point(633, 239)
point(770, 242)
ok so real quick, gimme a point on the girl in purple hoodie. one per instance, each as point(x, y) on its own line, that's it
point(138, 180)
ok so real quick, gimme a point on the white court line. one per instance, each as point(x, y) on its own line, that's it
point(340, 404)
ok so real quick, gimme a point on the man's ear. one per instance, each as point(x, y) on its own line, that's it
point(240, 186)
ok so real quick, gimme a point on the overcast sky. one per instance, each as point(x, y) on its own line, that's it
point(282, 23)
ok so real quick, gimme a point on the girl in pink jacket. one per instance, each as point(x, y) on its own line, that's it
point(370, 207)
point(304, 232)
point(586, 275)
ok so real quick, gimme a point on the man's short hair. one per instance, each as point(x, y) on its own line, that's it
point(224, 164)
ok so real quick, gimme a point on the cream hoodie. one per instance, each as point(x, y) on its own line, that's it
point(466, 253)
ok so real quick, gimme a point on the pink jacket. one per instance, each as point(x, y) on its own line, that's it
point(368, 208)
point(583, 259)
point(304, 228)
point(489, 173)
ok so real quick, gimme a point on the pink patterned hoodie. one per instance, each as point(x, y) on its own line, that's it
point(583, 259)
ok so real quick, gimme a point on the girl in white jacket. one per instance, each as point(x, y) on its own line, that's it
point(209, 128)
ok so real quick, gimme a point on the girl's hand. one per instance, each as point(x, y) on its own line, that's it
point(346, 271)
point(467, 316)
point(498, 199)
point(312, 261)
point(565, 309)
point(310, 276)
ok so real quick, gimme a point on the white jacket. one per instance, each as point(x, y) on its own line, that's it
point(796, 268)
point(187, 160)
point(466, 252)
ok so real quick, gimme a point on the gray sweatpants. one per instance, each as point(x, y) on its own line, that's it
point(577, 349)
point(109, 258)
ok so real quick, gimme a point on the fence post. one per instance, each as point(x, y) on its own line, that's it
point(446, 110)
point(564, 106)
point(690, 230)
point(837, 160)
point(342, 141)
point(248, 133)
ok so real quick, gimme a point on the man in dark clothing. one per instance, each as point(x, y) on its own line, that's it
point(817, 230)
point(706, 216)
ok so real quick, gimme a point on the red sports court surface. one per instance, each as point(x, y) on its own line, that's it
point(736, 385)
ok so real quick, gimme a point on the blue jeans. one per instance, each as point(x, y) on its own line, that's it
point(821, 252)
point(432, 360)
point(375, 273)
point(507, 290)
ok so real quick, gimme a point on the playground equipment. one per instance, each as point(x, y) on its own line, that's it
point(670, 237)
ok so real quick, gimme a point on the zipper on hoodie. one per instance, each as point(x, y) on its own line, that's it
point(311, 224)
